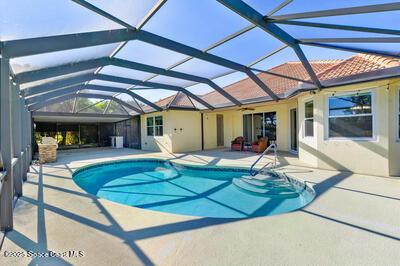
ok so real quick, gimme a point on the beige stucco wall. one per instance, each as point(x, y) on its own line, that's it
point(181, 133)
point(185, 130)
point(360, 156)
point(308, 145)
point(210, 130)
point(157, 143)
point(233, 123)
point(394, 143)
point(378, 156)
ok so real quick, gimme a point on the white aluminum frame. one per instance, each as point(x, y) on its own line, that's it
point(147, 127)
point(304, 101)
point(290, 130)
point(262, 123)
point(154, 126)
point(373, 114)
point(158, 126)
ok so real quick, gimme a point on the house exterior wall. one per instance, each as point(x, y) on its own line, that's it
point(361, 156)
point(157, 143)
point(394, 140)
point(210, 130)
point(233, 123)
point(181, 132)
point(377, 156)
point(185, 130)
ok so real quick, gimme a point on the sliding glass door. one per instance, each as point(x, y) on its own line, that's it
point(270, 126)
point(248, 127)
point(256, 126)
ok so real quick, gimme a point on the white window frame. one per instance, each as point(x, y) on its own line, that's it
point(147, 126)
point(373, 113)
point(154, 126)
point(158, 126)
point(290, 129)
point(307, 100)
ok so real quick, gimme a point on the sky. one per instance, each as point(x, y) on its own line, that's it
point(192, 22)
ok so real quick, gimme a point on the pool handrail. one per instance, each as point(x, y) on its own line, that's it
point(275, 149)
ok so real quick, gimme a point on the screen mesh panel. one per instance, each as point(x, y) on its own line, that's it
point(195, 40)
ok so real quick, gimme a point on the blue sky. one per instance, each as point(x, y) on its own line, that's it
point(192, 22)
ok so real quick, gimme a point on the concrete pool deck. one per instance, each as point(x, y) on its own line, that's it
point(355, 219)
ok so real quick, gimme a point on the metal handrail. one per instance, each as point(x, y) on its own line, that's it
point(272, 146)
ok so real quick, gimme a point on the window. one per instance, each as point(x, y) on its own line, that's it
point(155, 126)
point(309, 119)
point(158, 125)
point(350, 116)
point(150, 126)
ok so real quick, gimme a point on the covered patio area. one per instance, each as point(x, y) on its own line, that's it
point(353, 220)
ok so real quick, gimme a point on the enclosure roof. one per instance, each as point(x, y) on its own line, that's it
point(134, 52)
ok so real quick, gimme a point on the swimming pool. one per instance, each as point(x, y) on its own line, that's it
point(218, 192)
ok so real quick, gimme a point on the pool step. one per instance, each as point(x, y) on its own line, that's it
point(265, 177)
point(263, 190)
point(266, 183)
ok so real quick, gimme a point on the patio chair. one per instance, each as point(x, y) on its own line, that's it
point(260, 145)
point(237, 144)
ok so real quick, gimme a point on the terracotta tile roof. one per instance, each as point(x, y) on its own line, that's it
point(243, 89)
point(246, 89)
point(296, 70)
point(178, 100)
point(182, 100)
point(163, 103)
point(360, 63)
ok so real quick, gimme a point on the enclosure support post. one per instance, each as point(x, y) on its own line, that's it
point(24, 139)
point(30, 134)
point(27, 137)
point(17, 145)
point(6, 146)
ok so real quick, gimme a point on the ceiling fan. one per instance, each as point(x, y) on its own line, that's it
point(246, 109)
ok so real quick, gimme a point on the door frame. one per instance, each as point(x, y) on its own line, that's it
point(291, 130)
point(222, 128)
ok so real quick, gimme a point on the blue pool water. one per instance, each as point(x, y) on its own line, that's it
point(188, 190)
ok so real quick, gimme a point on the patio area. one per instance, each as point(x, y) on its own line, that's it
point(353, 220)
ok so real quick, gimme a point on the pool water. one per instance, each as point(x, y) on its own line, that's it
point(187, 190)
